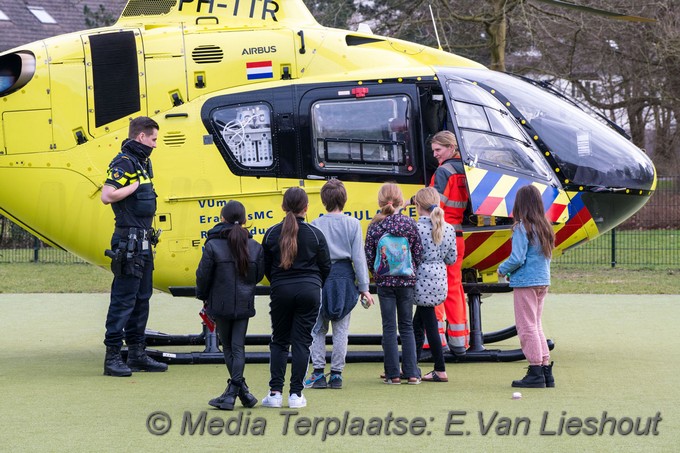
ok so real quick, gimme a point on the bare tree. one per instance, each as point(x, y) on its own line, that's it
point(623, 69)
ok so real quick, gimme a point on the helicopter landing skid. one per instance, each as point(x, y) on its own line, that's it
point(476, 352)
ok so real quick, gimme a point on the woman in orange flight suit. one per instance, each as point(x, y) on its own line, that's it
point(449, 181)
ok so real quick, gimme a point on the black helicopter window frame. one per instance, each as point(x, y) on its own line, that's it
point(495, 130)
point(354, 148)
point(234, 133)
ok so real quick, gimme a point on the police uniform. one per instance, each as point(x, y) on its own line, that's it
point(449, 180)
point(132, 242)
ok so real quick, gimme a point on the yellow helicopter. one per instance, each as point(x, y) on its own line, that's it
point(254, 96)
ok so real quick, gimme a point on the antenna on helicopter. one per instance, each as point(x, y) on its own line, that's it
point(436, 33)
point(365, 28)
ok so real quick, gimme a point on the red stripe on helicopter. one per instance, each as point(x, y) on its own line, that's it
point(474, 240)
point(496, 257)
point(553, 213)
point(489, 205)
point(572, 225)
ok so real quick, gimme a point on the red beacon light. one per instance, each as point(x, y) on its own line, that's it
point(360, 92)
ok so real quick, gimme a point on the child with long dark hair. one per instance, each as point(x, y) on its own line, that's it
point(231, 265)
point(297, 263)
point(528, 269)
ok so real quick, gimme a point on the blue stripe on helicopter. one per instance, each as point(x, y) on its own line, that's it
point(486, 185)
point(576, 204)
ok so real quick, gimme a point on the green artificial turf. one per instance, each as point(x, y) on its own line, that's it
point(614, 354)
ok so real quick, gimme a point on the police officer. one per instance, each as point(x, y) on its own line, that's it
point(129, 190)
point(449, 180)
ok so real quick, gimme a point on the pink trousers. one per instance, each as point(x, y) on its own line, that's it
point(528, 311)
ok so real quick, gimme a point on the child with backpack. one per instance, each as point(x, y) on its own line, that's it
point(348, 278)
point(439, 250)
point(393, 252)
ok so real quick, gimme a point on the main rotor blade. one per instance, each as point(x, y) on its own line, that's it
point(601, 12)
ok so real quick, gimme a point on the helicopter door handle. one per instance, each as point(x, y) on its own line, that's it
point(301, 34)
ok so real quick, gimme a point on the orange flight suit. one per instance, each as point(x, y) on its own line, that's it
point(449, 180)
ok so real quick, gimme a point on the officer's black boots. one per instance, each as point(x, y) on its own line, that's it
point(113, 363)
point(227, 400)
point(138, 360)
point(534, 378)
point(547, 373)
point(247, 398)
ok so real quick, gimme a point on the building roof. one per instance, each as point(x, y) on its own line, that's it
point(22, 26)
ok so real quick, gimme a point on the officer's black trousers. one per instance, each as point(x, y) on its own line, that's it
point(129, 307)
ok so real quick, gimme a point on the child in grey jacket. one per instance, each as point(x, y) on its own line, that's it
point(439, 250)
point(348, 278)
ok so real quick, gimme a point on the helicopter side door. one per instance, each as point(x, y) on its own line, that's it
point(360, 135)
point(498, 156)
point(364, 135)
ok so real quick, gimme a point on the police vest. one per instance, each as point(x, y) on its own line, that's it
point(138, 209)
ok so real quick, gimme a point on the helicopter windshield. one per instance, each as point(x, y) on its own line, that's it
point(490, 135)
point(587, 151)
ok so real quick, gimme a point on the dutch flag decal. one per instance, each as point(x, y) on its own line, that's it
point(259, 70)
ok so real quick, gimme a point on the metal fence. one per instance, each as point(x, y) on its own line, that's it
point(651, 238)
point(19, 246)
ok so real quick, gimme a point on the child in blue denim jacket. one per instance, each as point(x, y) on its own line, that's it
point(528, 269)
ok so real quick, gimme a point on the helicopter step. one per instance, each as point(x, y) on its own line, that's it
point(476, 351)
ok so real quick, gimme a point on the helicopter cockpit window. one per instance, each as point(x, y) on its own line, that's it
point(587, 152)
point(246, 132)
point(365, 135)
point(490, 135)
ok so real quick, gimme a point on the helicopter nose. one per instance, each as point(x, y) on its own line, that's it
point(609, 209)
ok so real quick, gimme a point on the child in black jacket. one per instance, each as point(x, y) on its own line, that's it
point(231, 265)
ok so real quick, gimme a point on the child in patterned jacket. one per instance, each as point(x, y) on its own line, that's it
point(439, 250)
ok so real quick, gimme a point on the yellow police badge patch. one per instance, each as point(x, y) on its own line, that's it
point(117, 173)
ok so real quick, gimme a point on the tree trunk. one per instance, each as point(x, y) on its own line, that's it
point(497, 30)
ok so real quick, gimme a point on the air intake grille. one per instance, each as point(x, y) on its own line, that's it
point(207, 54)
point(174, 139)
point(148, 7)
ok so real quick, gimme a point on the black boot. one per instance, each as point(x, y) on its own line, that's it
point(547, 373)
point(534, 378)
point(113, 363)
point(138, 360)
point(247, 398)
point(227, 399)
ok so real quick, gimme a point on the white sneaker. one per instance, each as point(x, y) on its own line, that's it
point(296, 402)
point(272, 400)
